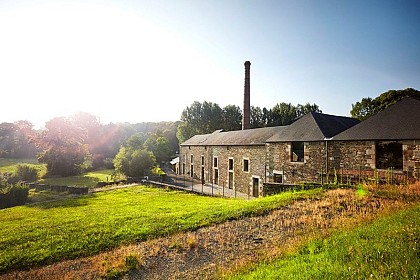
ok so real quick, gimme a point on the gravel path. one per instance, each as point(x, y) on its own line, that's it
point(210, 252)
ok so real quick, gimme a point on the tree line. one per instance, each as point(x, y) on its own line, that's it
point(206, 117)
point(71, 145)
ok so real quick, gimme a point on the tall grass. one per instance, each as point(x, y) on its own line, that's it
point(386, 249)
point(46, 232)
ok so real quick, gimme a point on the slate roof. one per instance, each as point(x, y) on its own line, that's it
point(314, 127)
point(256, 136)
point(400, 121)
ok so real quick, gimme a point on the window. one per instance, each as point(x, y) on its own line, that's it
point(202, 160)
point(297, 152)
point(192, 159)
point(231, 164)
point(246, 165)
point(389, 154)
point(215, 162)
point(183, 164)
point(278, 178)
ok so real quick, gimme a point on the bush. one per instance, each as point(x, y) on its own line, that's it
point(26, 173)
point(13, 195)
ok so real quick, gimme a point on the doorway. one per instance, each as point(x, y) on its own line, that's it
point(255, 187)
point(230, 180)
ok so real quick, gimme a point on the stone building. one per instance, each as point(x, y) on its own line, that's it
point(233, 159)
point(301, 152)
point(314, 147)
point(246, 160)
point(388, 141)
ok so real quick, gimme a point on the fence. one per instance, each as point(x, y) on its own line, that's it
point(186, 183)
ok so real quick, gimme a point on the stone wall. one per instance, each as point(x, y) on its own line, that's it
point(353, 155)
point(242, 180)
point(358, 158)
point(347, 161)
point(411, 158)
point(279, 160)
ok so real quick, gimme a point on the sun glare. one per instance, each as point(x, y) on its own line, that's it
point(68, 57)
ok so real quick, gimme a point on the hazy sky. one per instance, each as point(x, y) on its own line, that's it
point(141, 61)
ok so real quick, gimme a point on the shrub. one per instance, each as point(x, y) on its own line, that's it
point(25, 172)
point(13, 195)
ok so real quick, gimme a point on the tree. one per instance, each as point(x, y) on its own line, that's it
point(257, 117)
point(160, 147)
point(232, 118)
point(63, 147)
point(368, 107)
point(206, 117)
point(133, 159)
point(199, 118)
point(14, 140)
point(302, 110)
point(141, 163)
point(283, 114)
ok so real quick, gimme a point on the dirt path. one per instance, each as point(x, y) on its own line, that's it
point(209, 252)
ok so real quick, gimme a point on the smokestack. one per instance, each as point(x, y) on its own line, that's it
point(247, 107)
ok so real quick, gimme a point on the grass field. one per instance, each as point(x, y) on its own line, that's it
point(387, 249)
point(9, 165)
point(46, 232)
point(89, 179)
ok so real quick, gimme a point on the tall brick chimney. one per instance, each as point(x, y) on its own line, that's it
point(247, 107)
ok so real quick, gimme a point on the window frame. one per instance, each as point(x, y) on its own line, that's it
point(300, 153)
point(231, 167)
point(247, 165)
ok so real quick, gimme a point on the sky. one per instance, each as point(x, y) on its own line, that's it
point(141, 61)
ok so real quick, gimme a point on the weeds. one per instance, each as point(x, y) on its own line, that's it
point(192, 242)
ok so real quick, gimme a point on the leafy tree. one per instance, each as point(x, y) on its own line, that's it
point(122, 161)
point(14, 140)
point(283, 114)
point(63, 147)
point(141, 163)
point(133, 159)
point(206, 117)
point(160, 147)
point(286, 113)
point(302, 110)
point(232, 118)
point(257, 117)
point(199, 118)
point(368, 107)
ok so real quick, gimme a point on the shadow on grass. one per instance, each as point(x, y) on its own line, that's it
point(63, 201)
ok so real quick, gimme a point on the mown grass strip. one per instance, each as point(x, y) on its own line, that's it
point(89, 179)
point(386, 249)
point(47, 232)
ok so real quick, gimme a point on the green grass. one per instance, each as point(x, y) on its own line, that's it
point(8, 165)
point(386, 249)
point(42, 233)
point(89, 179)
